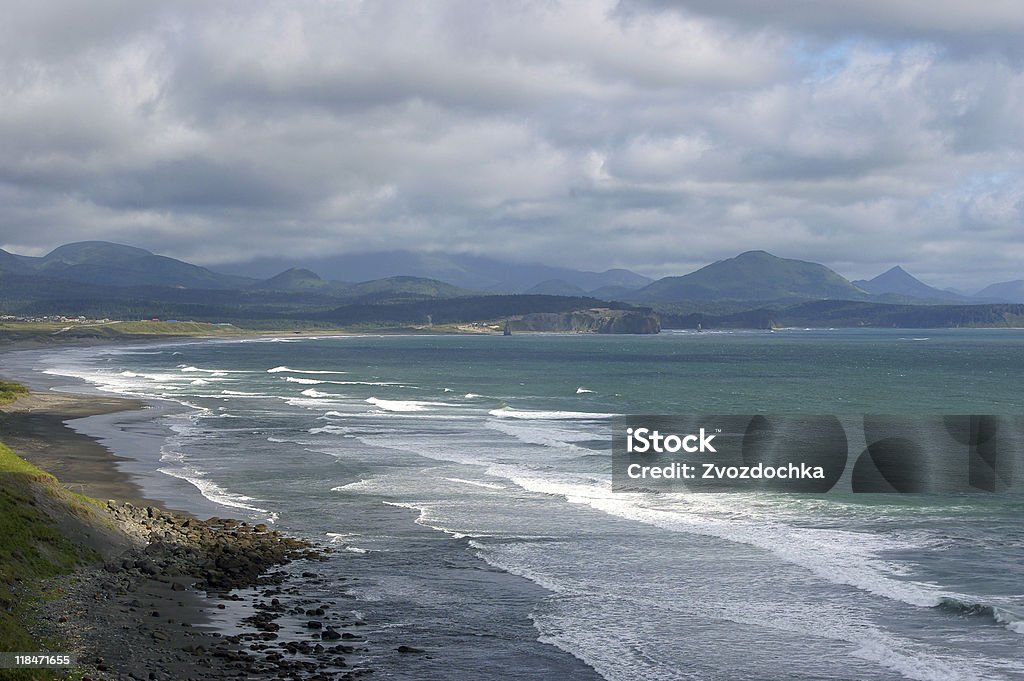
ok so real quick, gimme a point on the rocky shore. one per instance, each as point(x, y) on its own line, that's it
point(144, 613)
point(172, 597)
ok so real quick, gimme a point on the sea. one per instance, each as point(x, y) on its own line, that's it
point(464, 481)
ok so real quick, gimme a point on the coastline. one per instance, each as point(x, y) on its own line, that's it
point(34, 427)
point(160, 603)
point(399, 634)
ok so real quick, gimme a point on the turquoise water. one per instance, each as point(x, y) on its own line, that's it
point(444, 464)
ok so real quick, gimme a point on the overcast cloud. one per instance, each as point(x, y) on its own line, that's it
point(657, 136)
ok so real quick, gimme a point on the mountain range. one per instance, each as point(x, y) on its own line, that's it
point(472, 272)
point(99, 276)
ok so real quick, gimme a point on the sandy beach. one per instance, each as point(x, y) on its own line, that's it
point(34, 427)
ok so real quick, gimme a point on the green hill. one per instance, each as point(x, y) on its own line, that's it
point(555, 287)
point(297, 279)
point(754, 276)
point(105, 264)
point(402, 288)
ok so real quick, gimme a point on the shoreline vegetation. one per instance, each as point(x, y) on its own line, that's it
point(128, 586)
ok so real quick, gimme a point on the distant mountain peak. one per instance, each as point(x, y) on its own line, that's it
point(297, 273)
point(897, 281)
point(293, 279)
point(109, 264)
point(753, 275)
point(90, 251)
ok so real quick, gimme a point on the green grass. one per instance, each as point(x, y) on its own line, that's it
point(32, 548)
point(11, 391)
point(114, 329)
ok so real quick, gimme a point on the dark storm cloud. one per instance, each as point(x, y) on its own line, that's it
point(657, 136)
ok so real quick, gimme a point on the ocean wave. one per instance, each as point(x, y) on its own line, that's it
point(371, 383)
point(211, 490)
point(510, 413)
point(404, 405)
point(546, 435)
point(311, 403)
point(332, 430)
point(837, 556)
point(312, 392)
point(280, 369)
point(321, 381)
point(304, 381)
point(1013, 621)
point(371, 484)
point(476, 483)
point(213, 372)
point(581, 390)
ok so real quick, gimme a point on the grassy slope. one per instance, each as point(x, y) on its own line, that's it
point(32, 547)
point(11, 391)
point(114, 329)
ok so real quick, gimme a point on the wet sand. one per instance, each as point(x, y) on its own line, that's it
point(34, 427)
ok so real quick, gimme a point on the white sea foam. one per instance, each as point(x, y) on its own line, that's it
point(477, 483)
point(333, 430)
point(471, 396)
point(403, 405)
point(212, 372)
point(545, 434)
point(581, 390)
point(304, 381)
point(918, 667)
point(211, 490)
point(312, 392)
point(321, 381)
point(364, 485)
point(400, 385)
point(311, 403)
point(277, 370)
point(510, 413)
point(837, 556)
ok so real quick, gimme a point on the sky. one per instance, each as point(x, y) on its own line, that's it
point(653, 135)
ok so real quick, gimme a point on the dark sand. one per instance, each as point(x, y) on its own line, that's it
point(34, 427)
